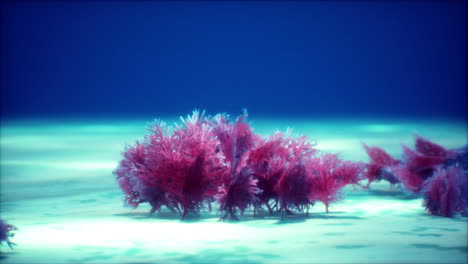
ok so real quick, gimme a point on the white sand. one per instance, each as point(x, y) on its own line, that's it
point(57, 187)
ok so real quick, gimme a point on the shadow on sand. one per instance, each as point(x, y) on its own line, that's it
point(245, 218)
point(248, 217)
point(5, 255)
point(166, 215)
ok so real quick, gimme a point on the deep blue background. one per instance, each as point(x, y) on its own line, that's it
point(273, 58)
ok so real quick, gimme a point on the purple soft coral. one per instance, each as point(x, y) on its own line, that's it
point(6, 233)
point(438, 173)
point(416, 166)
point(420, 164)
point(446, 193)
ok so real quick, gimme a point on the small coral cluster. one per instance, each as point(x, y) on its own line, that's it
point(212, 159)
point(206, 159)
point(6, 233)
point(438, 174)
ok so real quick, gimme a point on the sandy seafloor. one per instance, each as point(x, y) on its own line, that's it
point(57, 187)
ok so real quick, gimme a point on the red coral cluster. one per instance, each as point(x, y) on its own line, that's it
point(208, 159)
point(439, 174)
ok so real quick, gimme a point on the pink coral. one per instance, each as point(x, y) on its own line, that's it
point(329, 174)
point(128, 174)
point(420, 164)
point(411, 181)
point(278, 163)
point(293, 184)
point(266, 160)
point(377, 168)
point(178, 169)
point(379, 156)
point(185, 165)
point(239, 187)
point(429, 148)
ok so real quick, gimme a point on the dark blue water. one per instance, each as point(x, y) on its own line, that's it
point(300, 58)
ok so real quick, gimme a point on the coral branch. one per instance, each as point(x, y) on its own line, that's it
point(239, 188)
point(329, 175)
point(378, 168)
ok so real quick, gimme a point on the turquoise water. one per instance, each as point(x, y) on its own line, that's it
point(57, 187)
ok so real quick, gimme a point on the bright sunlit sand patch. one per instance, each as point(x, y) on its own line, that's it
point(336, 145)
